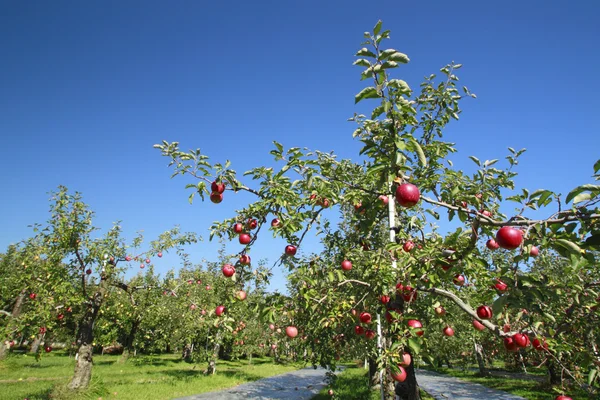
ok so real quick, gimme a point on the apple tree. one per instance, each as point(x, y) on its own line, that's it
point(404, 186)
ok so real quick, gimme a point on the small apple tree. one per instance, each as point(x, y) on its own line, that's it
point(406, 182)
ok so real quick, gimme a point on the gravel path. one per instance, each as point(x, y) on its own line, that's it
point(298, 385)
point(444, 387)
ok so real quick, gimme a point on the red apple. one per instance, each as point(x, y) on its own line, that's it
point(406, 360)
point(42, 330)
point(510, 345)
point(400, 375)
point(245, 259)
point(484, 312)
point(509, 238)
point(273, 346)
point(563, 397)
point(142, 266)
point(501, 286)
point(413, 323)
point(384, 299)
point(534, 251)
point(383, 199)
point(128, 258)
point(220, 310)
point(272, 327)
point(506, 328)
point(207, 287)
point(217, 187)
point(147, 261)
point(539, 345)
point(359, 330)
point(275, 222)
point(251, 223)
point(346, 265)
point(245, 238)
point(365, 317)
point(216, 197)
point(60, 317)
point(459, 280)
point(159, 255)
point(464, 204)
point(330, 392)
point(48, 349)
point(370, 334)
point(408, 246)
point(407, 195)
point(492, 244)
point(478, 325)
point(440, 311)
point(448, 331)
point(399, 287)
point(291, 331)
point(409, 294)
point(290, 250)
point(238, 228)
point(88, 271)
point(521, 339)
point(228, 270)
point(193, 307)
point(485, 213)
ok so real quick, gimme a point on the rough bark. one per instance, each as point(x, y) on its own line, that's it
point(409, 389)
point(16, 311)
point(187, 352)
point(85, 337)
point(35, 345)
point(480, 359)
point(554, 373)
point(212, 362)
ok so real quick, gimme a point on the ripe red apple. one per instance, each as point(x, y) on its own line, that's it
point(290, 250)
point(291, 331)
point(501, 286)
point(42, 330)
point(60, 316)
point(509, 238)
point(510, 345)
point(407, 195)
point(445, 265)
point(217, 187)
point(539, 344)
point(383, 199)
point(484, 312)
point(406, 360)
point(273, 346)
point(563, 397)
point(400, 375)
point(365, 317)
point(48, 349)
point(409, 294)
point(408, 246)
point(448, 331)
point(492, 244)
point(245, 238)
point(478, 325)
point(147, 261)
point(159, 255)
point(414, 323)
point(238, 228)
point(228, 270)
point(359, 330)
point(346, 265)
point(464, 204)
point(128, 258)
point(88, 271)
point(275, 222)
point(459, 280)
point(325, 203)
point(193, 307)
point(440, 311)
point(272, 327)
point(241, 295)
point(252, 223)
point(216, 197)
point(506, 328)
point(207, 287)
point(370, 334)
point(245, 259)
point(220, 310)
point(384, 299)
point(486, 213)
point(521, 339)
point(534, 251)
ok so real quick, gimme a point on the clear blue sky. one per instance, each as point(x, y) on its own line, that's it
point(86, 89)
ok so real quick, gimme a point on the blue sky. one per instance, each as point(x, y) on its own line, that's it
point(89, 87)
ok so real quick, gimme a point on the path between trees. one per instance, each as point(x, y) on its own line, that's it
point(303, 384)
point(444, 387)
point(306, 383)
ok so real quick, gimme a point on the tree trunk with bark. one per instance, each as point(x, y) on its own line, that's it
point(16, 311)
point(85, 338)
point(480, 359)
point(554, 373)
point(212, 362)
point(35, 345)
point(409, 389)
point(128, 348)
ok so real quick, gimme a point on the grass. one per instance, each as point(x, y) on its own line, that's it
point(353, 384)
point(531, 389)
point(150, 377)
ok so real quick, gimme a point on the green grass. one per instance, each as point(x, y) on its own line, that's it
point(151, 377)
point(530, 389)
point(353, 384)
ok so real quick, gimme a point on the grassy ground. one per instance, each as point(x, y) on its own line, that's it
point(529, 387)
point(353, 384)
point(149, 377)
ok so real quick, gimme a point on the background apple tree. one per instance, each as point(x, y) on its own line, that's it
point(406, 265)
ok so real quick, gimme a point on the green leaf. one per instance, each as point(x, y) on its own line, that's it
point(597, 167)
point(362, 62)
point(367, 93)
point(389, 64)
point(582, 197)
point(499, 304)
point(386, 53)
point(399, 57)
point(592, 376)
point(376, 168)
point(583, 188)
point(377, 28)
point(414, 345)
point(419, 151)
point(364, 52)
point(475, 160)
point(401, 85)
point(572, 247)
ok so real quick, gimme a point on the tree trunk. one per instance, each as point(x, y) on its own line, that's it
point(85, 338)
point(212, 363)
point(16, 311)
point(554, 373)
point(187, 352)
point(409, 389)
point(35, 345)
point(480, 359)
point(128, 348)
